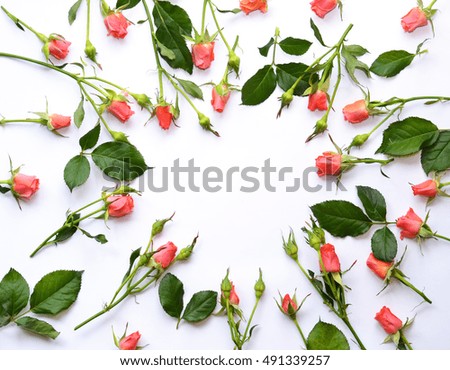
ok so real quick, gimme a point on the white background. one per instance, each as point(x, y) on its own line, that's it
point(237, 230)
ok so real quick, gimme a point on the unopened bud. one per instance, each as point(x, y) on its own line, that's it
point(234, 62)
point(90, 50)
point(226, 286)
point(143, 100)
point(158, 225)
point(290, 247)
point(119, 136)
point(185, 253)
point(205, 122)
point(359, 140)
point(260, 287)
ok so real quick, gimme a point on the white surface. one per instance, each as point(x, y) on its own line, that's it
point(237, 230)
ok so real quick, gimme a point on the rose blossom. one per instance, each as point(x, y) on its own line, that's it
point(120, 109)
point(58, 121)
point(288, 301)
point(116, 25)
point(329, 164)
point(416, 17)
point(248, 6)
point(165, 254)
point(130, 342)
point(234, 299)
point(428, 188)
point(120, 205)
point(220, 95)
point(330, 259)
point(410, 225)
point(390, 323)
point(58, 48)
point(164, 115)
point(25, 186)
point(356, 112)
point(323, 7)
point(203, 54)
point(380, 268)
point(318, 101)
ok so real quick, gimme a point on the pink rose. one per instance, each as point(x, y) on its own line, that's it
point(330, 259)
point(248, 6)
point(165, 254)
point(410, 225)
point(318, 101)
point(58, 121)
point(288, 302)
point(329, 164)
point(58, 48)
point(380, 268)
point(120, 205)
point(130, 342)
point(220, 95)
point(116, 25)
point(234, 299)
point(356, 112)
point(415, 18)
point(203, 54)
point(428, 188)
point(25, 186)
point(323, 7)
point(120, 109)
point(390, 323)
point(164, 115)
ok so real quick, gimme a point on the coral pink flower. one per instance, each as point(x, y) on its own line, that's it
point(330, 259)
point(165, 254)
point(116, 25)
point(323, 7)
point(130, 342)
point(220, 96)
point(288, 301)
point(415, 18)
point(428, 188)
point(58, 48)
point(356, 112)
point(410, 225)
point(164, 115)
point(25, 186)
point(120, 205)
point(248, 6)
point(58, 121)
point(318, 101)
point(390, 323)
point(380, 268)
point(234, 299)
point(120, 109)
point(329, 163)
point(203, 54)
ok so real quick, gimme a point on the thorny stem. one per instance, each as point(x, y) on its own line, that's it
point(431, 5)
point(301, 332)
point(205, 3)
point(24, 120)
point(181, 91)
point(244, 337)
point(88, 21)
point(405, 341)
point(39, 35)
point(218, 27)
point(232, 325)
point(402, 279)
point(441, 237)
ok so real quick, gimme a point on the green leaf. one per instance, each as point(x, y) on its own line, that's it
point(90, 139)
point(384, 245)
point(264, 50)
point(259, 87)
point(100, 238)
point(64, 234)
point(165, 52)
point(325, 336)
point(55, 292)
point(288, 73)
point(391, 63)
point(294, 46)
point(191, 88)
point(133, 257)
point(201, 305)
point(37, 326)
point(119, 160)
point(373, 202)
point(4, 189)
point(5, 319)
point(172, 23)
point(171, 295)
point(436, 157)
point(127, 4)
point(73, 11)
point(78, 116)
point(14, 293)
point(350, 54)
point(77, 171)
point(316, 31)
point(407, 137)
point(341, 218)
point(166, 12)
point(356, 50)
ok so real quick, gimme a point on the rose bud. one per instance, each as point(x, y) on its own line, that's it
point(58, 47)
point(203, 54)
point(248, 6)
point(260, 286)
point(410, 225)
point(318, 101)
point(329, 164)
point(57, 121)
point(120, 109)
point(165, 255)
point(220, 95)
point(330, 260)
point(290, 247)
point(289, 305)
point(356, 112)
point(380, 268)
point(415, 18)
point(24, 186)
point(130, 342)
point(120, 205)
point(164, 115)
point(323, 7)
point(116, 25)
point(234, 299)
point(390, 323)
point(428, 188)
